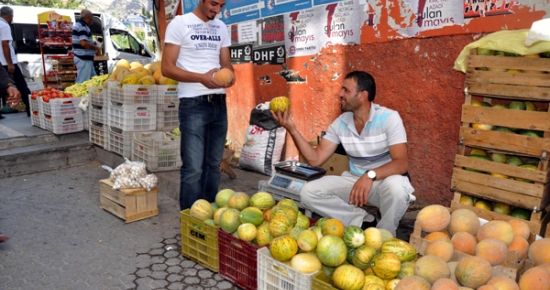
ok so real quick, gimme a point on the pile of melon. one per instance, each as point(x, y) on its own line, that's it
point(477, 247)
point(132, 73)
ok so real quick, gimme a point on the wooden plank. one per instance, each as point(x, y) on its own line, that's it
point(142, 215)
point(141, 202)
point(521, 144)
point(511, 77)
point(510, 91)
point(131, 206)
point(152, 200)
point(112, 207)
point(529, 120)
point(505, 62)
point(502, 168)
point(513, 186)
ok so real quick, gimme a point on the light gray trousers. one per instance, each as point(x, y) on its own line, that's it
point(329, 196)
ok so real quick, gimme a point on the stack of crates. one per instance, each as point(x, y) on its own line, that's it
point(36, 118)
point(98, 116)
point(60, 116)
point(160, 151)
point(130, 108)
point(505, 140)
point(167, 107)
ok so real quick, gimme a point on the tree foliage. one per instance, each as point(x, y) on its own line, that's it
point(66, 4)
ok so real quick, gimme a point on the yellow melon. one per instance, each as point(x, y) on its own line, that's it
point(492, 250)
point(473, 271)
point(496, 229)
point(444, 284)
point(333, 227)
point(464, 220)
point(503, 283)
point(123, 63)
point(519, 246)
point(464, 242)
point(536, 278)
point(135, 64)
point(433, 218)
point(146, 80)
point(539, 251)
point(520, 228)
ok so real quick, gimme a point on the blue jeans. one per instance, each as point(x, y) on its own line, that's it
point(203, 126)
point(84, 69)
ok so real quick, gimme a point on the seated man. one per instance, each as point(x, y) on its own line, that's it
point(376, 143)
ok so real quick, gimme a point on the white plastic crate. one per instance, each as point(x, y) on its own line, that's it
point(98, 114)
point(98, 95)
point(34, 104)
point(98, 134)
point(160, 151)
point(66, 107)
point(136, 117)
point(274, 275)
point(64, 124)
point(37, 119)
point(86, 119)
point(131, 94)
point(166, 94)
point(120, 142)
point(167, 116)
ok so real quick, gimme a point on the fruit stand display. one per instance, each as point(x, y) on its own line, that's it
point(54, 35)
point(505, 139)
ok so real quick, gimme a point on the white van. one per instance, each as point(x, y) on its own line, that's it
point(118, 42)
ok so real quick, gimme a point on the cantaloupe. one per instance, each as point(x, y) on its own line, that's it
point(444, 284)
point(520, 228)
point(464, 242)
point(433, 218)
point(487, 287)
point(492, 250)
point(431, 268)
point(434, 236)
point(224, 76)
point(333, 227)
point(496, 229)
point(519, 246)
point(536, 278)
point(503, 283)
point(464, 220)
point(443, 249)
point(413, 282)
point(539, 251)
point(473, 271)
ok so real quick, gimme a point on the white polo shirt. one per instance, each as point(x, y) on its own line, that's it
point(369, 148)
point(5, 34)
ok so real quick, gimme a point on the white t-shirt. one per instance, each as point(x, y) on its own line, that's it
point(200, 44)
point(5, 34)
point(369, 148)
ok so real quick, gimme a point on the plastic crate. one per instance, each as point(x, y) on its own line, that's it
point(321, 282)
point(166, 94)
point(98, 96)
point(61, 107)
point(131, 94)
point(238, 260)
point(167, 116)
point(86, 119)
point(199, 241)
point(34, 104)
point(64, 124)
point(274, 275)
point(120, 142)
point(159, 151)
point(98, 114)
point(98, 134)
point(37, 119)
point(136, 117)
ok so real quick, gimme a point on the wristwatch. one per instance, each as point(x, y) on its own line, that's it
point(371, 174)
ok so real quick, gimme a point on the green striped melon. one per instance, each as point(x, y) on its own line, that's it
point(247, 232)
point(405, 251)
point(283, 248)
point(289, 202)
point(302, 221)
point(331, 250)
point(386, 265)
point(348, 277)
point(279, 226)
point(262, 200)
point(354, 237)
point(307, 240)
point(252, 215)
point(263, 237)
point(223, 196)
point(201, 209)
point(239, 201)
point(363, 256)
point(229, 221)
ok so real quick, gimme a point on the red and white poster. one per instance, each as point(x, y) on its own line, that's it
point(302, 32)
point(434, 14)
point(477, 8)
point(341, 23)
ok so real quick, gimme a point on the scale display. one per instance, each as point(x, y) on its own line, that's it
point(286, 183)
point(291, 176)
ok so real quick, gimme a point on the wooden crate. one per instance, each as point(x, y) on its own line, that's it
point(128, 204)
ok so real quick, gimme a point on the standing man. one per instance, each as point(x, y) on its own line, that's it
point(84, 48)
point(196, 45)
point(376, 143)
point(8, 57)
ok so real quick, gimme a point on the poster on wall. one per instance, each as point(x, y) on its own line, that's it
point(189, 5)
point(275, 7)
point(247, 32)
point(241, 53)
point(272, 54)
point(240, 10)
point(477, 8)
point(271, 29)
point(302, 32)
point(322, 2)
point(340, 22)
point(433, 14)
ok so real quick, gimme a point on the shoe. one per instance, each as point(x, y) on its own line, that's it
point(3, 237)
point(2, 117)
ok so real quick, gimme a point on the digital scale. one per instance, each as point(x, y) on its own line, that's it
point(289, 178)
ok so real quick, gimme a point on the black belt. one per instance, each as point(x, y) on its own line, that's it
point(211, 98)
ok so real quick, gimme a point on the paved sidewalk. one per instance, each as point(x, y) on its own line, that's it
point(61, 239)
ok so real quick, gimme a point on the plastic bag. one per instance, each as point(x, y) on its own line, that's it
point(540, 31)
point(131, 174)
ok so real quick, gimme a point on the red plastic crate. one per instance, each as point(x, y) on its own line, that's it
point(238, 260)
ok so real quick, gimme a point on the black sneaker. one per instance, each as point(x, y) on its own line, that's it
point(1, 117)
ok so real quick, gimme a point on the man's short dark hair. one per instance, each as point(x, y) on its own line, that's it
point(365, 82)
point(6, 11)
